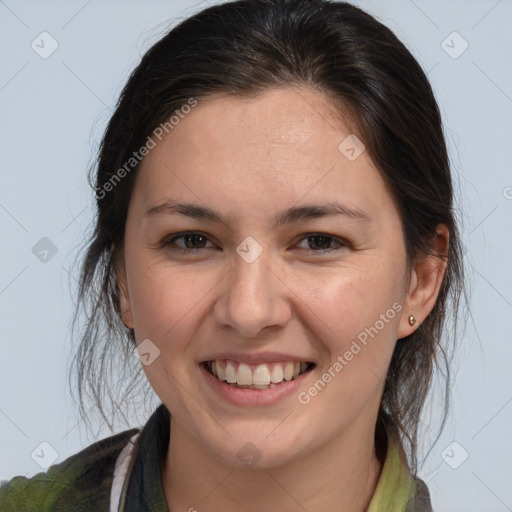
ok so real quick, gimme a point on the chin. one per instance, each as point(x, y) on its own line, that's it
point(253, 449)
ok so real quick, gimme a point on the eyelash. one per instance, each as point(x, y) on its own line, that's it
point(168, 242)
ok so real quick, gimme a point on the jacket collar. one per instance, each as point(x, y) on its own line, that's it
point(142, 490)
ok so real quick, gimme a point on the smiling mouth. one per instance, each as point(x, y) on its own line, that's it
point(261, 376)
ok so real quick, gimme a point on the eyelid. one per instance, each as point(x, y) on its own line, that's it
point(342, 242)
point(175, 236)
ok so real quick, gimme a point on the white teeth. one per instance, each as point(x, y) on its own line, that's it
point(288, 371)
point(244, 375)
point(261, 375)
point(277, 374)
point(230, 373)
point(259, 378)
point(220, 372)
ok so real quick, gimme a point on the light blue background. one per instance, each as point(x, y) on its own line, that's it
point(53, 112)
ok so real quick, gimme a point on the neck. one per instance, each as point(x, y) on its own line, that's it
point(339, 476)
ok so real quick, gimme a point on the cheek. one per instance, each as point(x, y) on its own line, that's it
point(166, 302)
point(356, 318)
point(171, 303)
point(353, 295)
point(163, 299)
point(355, 312)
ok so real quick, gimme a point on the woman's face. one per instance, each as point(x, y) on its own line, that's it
point(255, 293)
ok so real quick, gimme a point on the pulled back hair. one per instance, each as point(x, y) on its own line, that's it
point(243, 48)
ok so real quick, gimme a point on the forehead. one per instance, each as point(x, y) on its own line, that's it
point(289, 120)
point(281, 146)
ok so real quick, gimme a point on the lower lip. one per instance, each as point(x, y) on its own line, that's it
point(241, 396)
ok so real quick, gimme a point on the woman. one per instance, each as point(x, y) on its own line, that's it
point(275, 236)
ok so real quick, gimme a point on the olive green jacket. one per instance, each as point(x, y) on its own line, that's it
point(123, 473)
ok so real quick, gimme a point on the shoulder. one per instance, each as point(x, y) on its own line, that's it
point(80, 483)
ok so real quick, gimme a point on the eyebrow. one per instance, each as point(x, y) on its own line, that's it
point(289, 216)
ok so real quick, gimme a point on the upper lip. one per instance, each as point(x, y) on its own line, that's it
point(257, 358)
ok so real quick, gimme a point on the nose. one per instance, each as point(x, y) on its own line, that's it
point(254, 297)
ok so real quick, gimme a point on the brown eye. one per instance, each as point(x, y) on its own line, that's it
point(193, 241)
point(321, 243)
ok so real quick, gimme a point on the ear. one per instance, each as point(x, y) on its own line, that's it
point(426, 279)
point(123, 294)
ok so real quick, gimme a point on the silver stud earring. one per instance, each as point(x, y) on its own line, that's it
point(412, 320)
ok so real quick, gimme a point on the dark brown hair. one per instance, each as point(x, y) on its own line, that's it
point(245, 47)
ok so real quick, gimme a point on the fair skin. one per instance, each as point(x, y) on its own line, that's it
point(249, 159)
